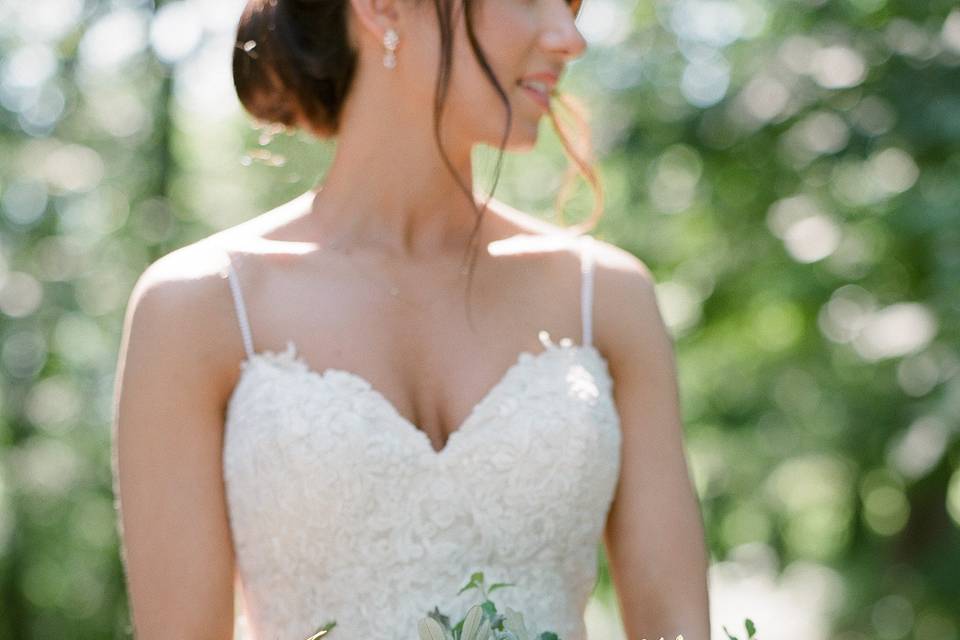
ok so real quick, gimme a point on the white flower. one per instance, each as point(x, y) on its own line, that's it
point(430, 629)
point(475, 625)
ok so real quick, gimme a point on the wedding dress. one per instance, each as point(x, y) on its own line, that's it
point(341, 509)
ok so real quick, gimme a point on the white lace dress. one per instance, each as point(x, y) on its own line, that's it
point(340, 508)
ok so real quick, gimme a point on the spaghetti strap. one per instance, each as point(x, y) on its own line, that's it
point(240, 307)
point(586, 289)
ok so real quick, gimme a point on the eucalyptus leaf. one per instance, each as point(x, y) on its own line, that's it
point(476, 579)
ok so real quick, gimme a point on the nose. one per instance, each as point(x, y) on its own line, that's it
point(562, 34)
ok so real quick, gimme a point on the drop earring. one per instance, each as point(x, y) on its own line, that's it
point(390, 41)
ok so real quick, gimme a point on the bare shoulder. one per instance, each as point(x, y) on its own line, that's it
point(184, 280)
point(628, 327)
point(621, 273)
point(181, 308)
point(192, 278)
point(628, 323)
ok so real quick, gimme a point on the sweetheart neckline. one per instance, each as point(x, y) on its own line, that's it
point(292, 355)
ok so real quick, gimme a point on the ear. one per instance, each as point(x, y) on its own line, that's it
point(373, 18)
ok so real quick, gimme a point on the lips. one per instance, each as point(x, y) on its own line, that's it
point(539, 86)
point(543, 82)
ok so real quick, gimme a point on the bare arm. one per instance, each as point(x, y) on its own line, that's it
point(167, 435)
point(654, 536)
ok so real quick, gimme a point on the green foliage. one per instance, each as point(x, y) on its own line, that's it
point(751, 630)
point(323, 630)
point(482, 621)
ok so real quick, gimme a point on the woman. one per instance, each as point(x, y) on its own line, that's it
point(336, 426)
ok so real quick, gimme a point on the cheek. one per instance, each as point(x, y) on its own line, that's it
point(506, 31)
point(473, 101)
point(507, 50)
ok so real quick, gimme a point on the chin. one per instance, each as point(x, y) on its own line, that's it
point(525, 138)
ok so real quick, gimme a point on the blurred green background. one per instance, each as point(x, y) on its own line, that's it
point(789, 170)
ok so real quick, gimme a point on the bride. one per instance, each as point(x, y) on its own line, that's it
point(325, 411)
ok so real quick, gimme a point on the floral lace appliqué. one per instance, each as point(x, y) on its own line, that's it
point(341, 509)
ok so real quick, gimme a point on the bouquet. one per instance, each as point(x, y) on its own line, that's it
point(483, 621)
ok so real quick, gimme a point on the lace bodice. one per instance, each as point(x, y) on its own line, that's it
point(340, 508)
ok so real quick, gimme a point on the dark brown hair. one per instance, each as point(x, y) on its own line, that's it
point(293, 65)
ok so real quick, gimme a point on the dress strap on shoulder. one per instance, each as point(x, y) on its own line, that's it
point(240, 307)
point(586, 288)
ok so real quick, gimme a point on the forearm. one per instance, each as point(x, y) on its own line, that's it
point(668, 613)
point(662, 591)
